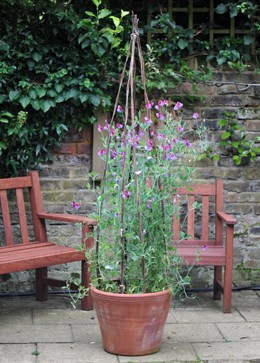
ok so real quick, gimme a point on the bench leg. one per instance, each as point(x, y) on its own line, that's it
point(87, 301)
point(41, 286)
point(217, 277)
point(227, 289)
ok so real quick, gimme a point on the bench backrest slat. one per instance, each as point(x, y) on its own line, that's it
point(22, 215)
point(207, 195)
point(6, 218)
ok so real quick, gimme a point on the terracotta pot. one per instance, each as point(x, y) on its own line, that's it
point(131, 324)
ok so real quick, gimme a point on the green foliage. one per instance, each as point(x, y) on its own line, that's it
point(146, 163)
point(233, 139)
point(56, 63)
point(177, 45)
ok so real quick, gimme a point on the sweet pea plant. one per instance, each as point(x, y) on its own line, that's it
point(145, 160)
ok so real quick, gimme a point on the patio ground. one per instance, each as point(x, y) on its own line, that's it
point(196, 331)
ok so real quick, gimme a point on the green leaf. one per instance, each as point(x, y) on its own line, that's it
point(58, 87)
point(7, 114)
point(59, 99)
point(215, 157)
point(36, 56)
point(104, 13)
point(248, 39)
point(45, 106)
point(32, 93)
point(221, 60)
point(235, 144)
point(51, 93)
point(24, 101)
point(95, 100)
point(116, 20)
point(225, 135)
point(222, 122)
point(96, 3)
point(41, 92)
point(221, 9)
point(89, 13)
point(83, 97)
point(72, 93)
point(182, 43)
point(35, 105)
point(124, 13)
point(14, 95)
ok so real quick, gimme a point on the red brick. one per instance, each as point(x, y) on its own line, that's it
point(67, 148)
point(83, 148)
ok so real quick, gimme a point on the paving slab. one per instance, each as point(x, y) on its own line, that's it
point(228, 350)
point(35, 333)
point(205, 315)
point(88, 334)
point(196, 332)
point(73, 353)
point(238, 331)
point(16, 316)
point(169, 353)
point(64, 316)
point(17, 353)
point(250, 314)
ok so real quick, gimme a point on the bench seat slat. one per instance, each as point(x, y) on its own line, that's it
point(39, 255)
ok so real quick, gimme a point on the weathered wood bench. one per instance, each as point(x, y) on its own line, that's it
point(205, 247)
point(39, 253)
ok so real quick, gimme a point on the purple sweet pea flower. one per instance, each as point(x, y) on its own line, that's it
point(160, 116)
point(100, 128)
point(147, 120)
point(75, 205)
point(126, 194)
point(119, 109)
point(173, 156)
point(195, 115)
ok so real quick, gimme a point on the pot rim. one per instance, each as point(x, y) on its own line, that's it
point(122, 296)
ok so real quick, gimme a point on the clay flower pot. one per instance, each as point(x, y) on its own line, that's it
point(131, 324)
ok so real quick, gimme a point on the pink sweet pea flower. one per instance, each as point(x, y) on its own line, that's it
point(106, 125)
point(101, 152)
point(119, 109)
point(100, 128)
point(195, 115)
point(178, 105)
point(180, 128)
point(119, 126)
point(149, 105)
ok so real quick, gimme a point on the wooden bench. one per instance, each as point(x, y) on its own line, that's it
point(205, 247)
point(39, 253)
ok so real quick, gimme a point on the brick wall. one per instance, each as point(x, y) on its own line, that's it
point(64, 180)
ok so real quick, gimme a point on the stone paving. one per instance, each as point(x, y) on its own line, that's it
point(196, 331)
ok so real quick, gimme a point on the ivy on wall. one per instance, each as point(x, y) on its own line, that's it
point(57, 62)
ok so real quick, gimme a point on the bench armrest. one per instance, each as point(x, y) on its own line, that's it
point(227, 218)
point(68, 218)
